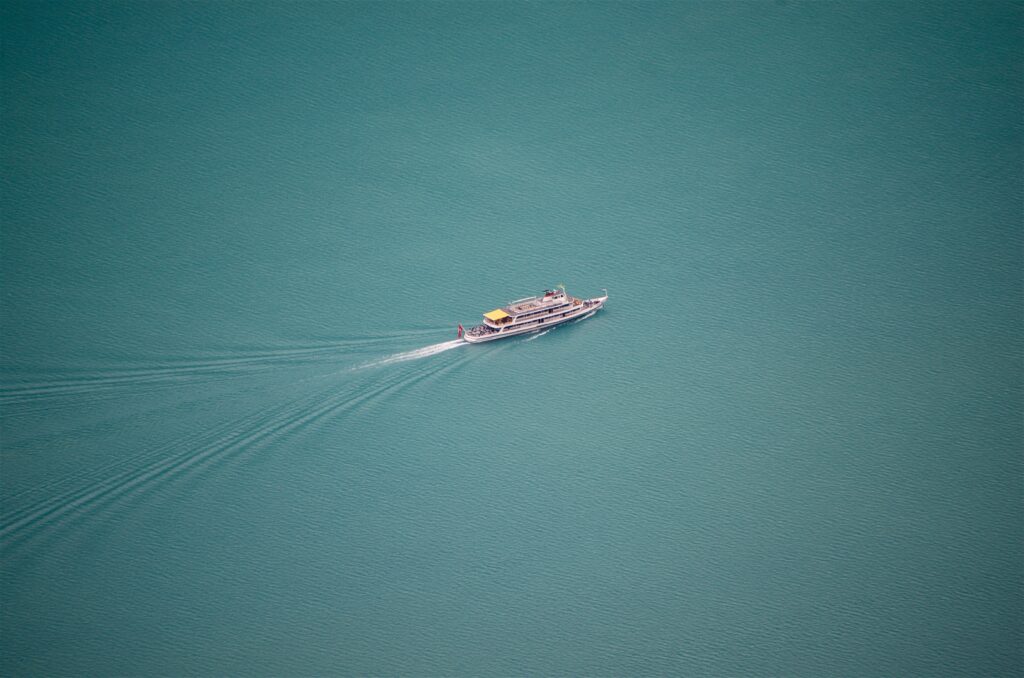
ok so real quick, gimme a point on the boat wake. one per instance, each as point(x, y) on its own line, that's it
point(100, 492)
point(415, 354)
point(538, 336)
point(188, 371)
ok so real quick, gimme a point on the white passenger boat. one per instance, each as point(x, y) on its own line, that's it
point(533, 314)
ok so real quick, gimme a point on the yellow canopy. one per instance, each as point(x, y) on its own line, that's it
point(496, 315)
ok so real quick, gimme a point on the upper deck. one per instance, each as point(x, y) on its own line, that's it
point(521, 310)
point(549, 298)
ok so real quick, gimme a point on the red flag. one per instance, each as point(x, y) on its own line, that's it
point(460, 330)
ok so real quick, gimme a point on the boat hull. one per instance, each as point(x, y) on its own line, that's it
point(591, 306)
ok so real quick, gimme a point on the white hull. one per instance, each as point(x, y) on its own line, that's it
point(589, 308)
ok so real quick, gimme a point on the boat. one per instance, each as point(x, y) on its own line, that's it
point(533, 314)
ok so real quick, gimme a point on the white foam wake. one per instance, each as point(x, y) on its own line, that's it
point(538, 336)
point(416, 354)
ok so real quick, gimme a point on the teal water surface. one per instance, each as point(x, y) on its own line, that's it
point(236, 242)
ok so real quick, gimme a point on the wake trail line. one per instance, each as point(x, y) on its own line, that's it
point(182, 371)
point(415, 354)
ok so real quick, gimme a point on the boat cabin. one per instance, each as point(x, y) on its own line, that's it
point(497, 317)
point(529, 307)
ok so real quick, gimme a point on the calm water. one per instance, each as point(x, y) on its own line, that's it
point(235, 238)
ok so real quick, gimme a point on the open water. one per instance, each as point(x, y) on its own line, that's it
point(237, 438)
